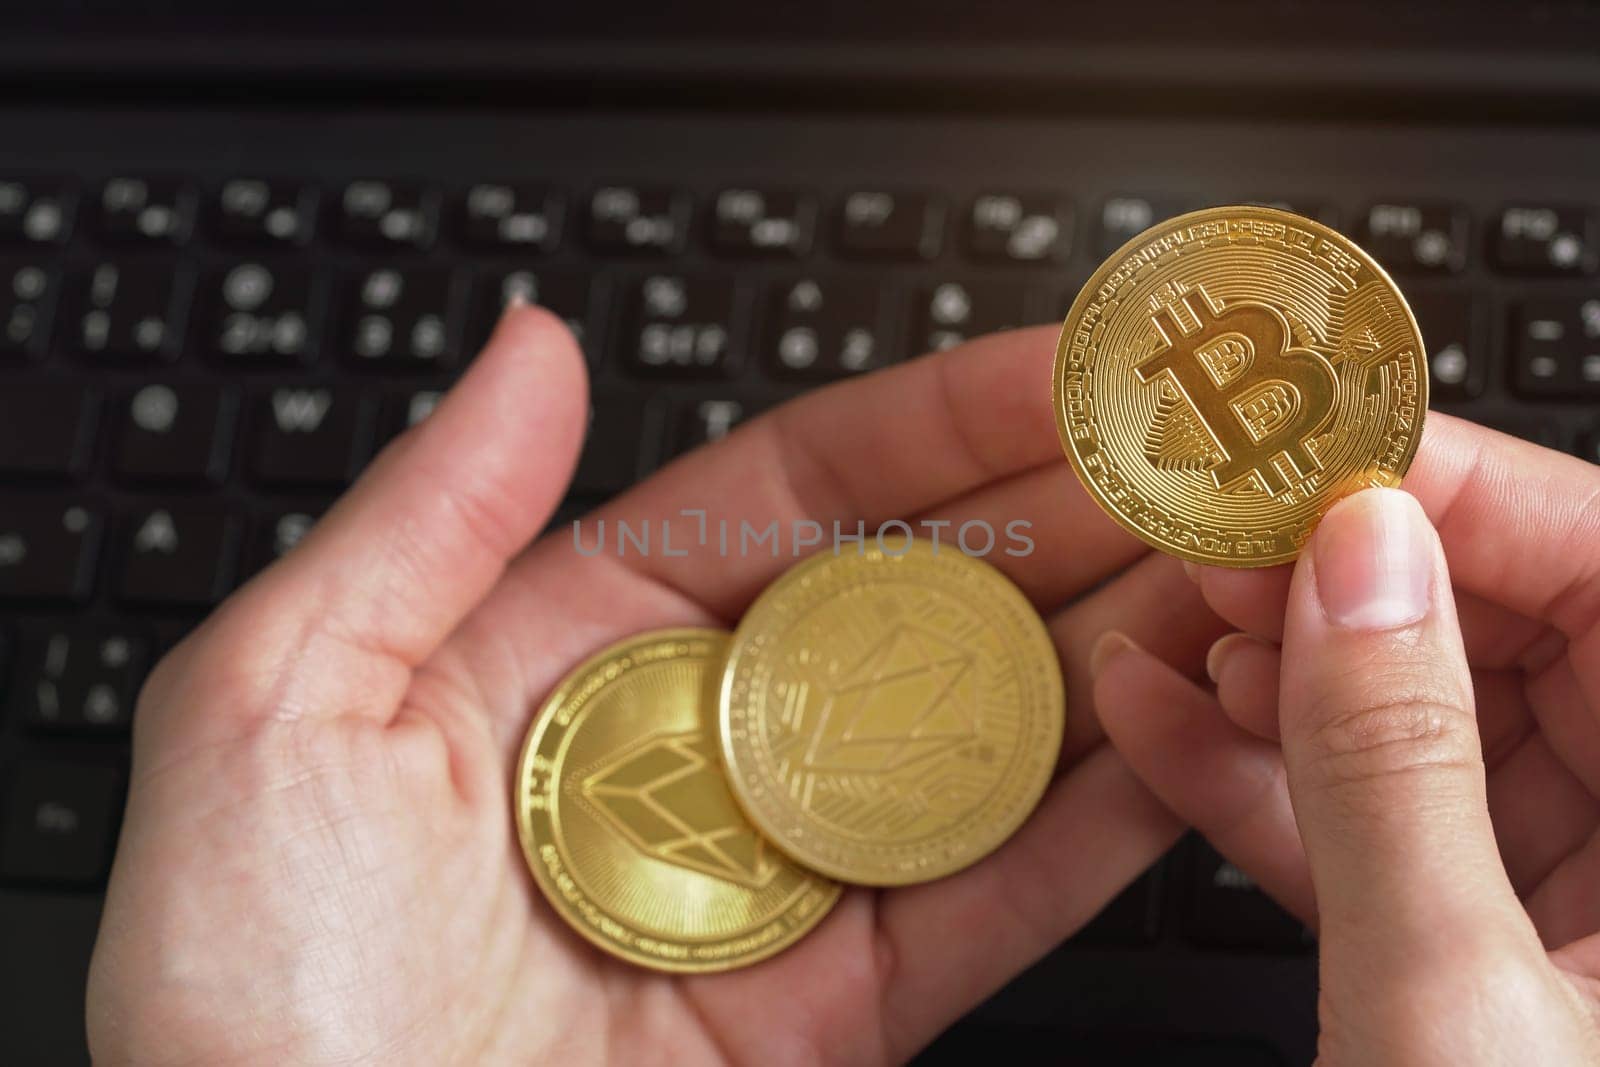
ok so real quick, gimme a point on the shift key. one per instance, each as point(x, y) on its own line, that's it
point(47, 549)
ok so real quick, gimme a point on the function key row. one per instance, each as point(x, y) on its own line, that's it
point(619, 219)
point(656, 220)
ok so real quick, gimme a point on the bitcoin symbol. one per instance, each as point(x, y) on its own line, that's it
point(1257, 397)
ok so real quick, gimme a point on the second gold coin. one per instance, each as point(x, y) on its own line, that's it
point(890, 719)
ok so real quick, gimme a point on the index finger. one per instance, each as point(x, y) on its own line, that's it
point(889, 446)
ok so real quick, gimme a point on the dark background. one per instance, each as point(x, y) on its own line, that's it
point(1461, 100)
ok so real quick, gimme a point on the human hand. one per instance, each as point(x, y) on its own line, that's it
point(1449, 857)
point(318, 862)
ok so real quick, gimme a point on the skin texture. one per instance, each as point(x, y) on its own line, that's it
point(318, 864)
point(1411, 765)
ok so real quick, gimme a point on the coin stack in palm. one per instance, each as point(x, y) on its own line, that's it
point(1228, 375)
point(690, 800)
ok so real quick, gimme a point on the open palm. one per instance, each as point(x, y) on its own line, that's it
point(318, 863)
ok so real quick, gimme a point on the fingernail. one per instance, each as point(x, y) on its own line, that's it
point(1220, 650)
point(1110, 645)
point(516, 300)
point(1373, 557)
point(1192, 569)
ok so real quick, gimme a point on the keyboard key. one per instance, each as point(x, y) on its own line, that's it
point(890, 224)
point(952, 312)
point(47, 429)
point(511, 217)
point(763, 222)
point(613, 452)
point(278, 530)
point(36, 211)
point(1226, 910)
point(311, 435)
point(258, 315)
point(1010, 228)
point(1555, 351)
point(382, 214)
point(407, 408)
point(641, 220)
point(700, 422)
point(1543, 239)
point(564, 293)
point(253, 211)
point(1458, 361)
point(177, 433)
point(81, 679)
point(399, 319)
point(126, 312)
point(1417, 237)
point(819, 329)
point(182, 554)
point(60, 819)
point(156, 211)
point(681, 327)
point(1122, 218)
point(48, 551)
point(27, 297)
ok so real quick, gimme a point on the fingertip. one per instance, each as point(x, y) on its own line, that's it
point(1244, 668)
point(1375, 559)
point(1109, 646)
point(535, 334)
point(1217, 654)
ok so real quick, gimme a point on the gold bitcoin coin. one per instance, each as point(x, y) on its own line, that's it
point(889, 719)
point(1229, 374)
point(628, 825)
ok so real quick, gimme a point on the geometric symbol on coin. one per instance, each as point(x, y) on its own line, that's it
point(1256, 398)
point(913, 697)
point(669, 798)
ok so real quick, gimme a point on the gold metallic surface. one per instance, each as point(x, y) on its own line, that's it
point(889, 720)
point(627, 823)
point(1228, 375)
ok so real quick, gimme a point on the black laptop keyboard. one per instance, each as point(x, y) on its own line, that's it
point(194, 364)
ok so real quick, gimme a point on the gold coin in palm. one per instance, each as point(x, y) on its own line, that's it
point(627, 823)
point(891, 717)
point(1228, 375)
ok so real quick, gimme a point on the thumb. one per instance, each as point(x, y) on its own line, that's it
point(1381, 747)
point(338, 624)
